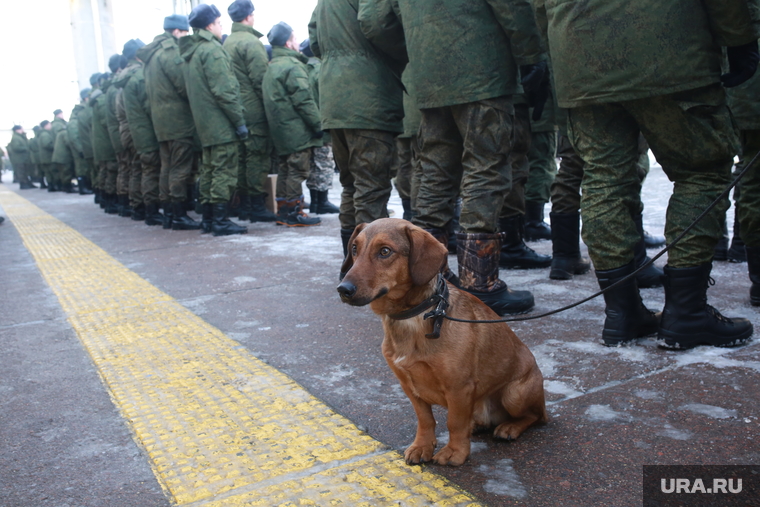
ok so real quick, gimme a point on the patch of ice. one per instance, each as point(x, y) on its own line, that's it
point(714, 356)
point(242, 324)
point(675, 434)
point(557, 387)
point(502, 479)
point(709, 410)
point(647, 395)
point(336, 374)
point(602, 413)
point(633, 353)
point(243, 279)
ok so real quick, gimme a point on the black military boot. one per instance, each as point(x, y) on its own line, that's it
point(753, 266)
point(245, 207)
point(259, 211)
point(515, 254)
point(43, 185)
point(408, 213)
point(721, 248)
point(535, 227)
point(442, 236)
point(626, 316)
point(111, 206)
point(221, 225)
point(478, 258)
point(207, 218)
point(138, 213)
point(324, 206)
point(125, 210)
point(314, 205)
point(651, 276)
point(687, 319)
point(736, 253)
point(180, 220)
point(152, 215)
point(292, 215)
point(84, 186)
point(566, 253)
point(168, 214)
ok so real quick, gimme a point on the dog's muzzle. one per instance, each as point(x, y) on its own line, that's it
point(347, 291)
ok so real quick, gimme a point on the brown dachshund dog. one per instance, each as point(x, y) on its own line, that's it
point(482, 373)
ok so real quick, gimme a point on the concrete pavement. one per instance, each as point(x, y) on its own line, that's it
point(261, 305)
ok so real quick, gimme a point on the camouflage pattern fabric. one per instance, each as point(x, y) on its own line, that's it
point(151, 170)
point(693, 137)
point(254, 164)
point(134, 177)
point(218, 173)
point(364, 159)
point(294, 169)
point(475, 254)
point(748, 205)
point(465, 147)
point(543, 166)
point(178, 161)
point(122, 174)
point(402, 164)
point(322, 169)
point(565, 190)
point(514, 201)
point(109, 170)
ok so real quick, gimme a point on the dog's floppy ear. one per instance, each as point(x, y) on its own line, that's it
point(349, 260)
point(426, 255)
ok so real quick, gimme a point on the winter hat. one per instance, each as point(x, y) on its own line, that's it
point(43, 123)
point(131, 47)
point(203, 15)
point(17, 127)
point(94, 78)
point(240, 9)
point(176, 22)
point(305, 48)
point(57, 112)
point(84, 93)
point(114, 62)
point(279, 34)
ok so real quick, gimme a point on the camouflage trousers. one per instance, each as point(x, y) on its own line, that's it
point(51, 173)
point(135, 177)
point(322, 169)
point(178, 165)
point(691, 134)
point(253, 165)
point(218, 173)
point(514, 201)
point(543, 166)
point(89, 172)
point(151, 171)
point(293, 171)
point(22, 172)
point(109, 170)
point(364, 158)
point(402, 167)
point(123, 160)
point(66, 172)
point(465, 149)
point(748, 204)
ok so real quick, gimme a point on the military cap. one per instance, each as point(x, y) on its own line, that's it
point(114, 62)
point(279, 34)
point(84, 93)
point(176, 22)
point(57, 111)
point(131, 47)
point(17, 127)
point(94, 78)
point(305, 48)
point(43, 123)
point(240, 9)
point(203, 15)
point(36, 128)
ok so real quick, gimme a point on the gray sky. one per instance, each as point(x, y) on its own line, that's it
point(38, 56)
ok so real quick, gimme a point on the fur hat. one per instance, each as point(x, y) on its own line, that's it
point(240, 9)
point(279, 34)
point(203, 15)
point(114, 63)
point(176, 22)
point(131, 47)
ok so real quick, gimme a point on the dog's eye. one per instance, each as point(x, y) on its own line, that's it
point(353, 250)
point(385, 251)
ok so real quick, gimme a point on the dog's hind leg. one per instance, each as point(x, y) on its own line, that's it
point(524, 401)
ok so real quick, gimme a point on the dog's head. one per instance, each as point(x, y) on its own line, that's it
point(388, 257)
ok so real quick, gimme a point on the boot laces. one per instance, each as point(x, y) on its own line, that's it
point(717, 315)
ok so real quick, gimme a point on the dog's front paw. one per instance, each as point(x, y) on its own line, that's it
point(451, 456)
point(416, 454)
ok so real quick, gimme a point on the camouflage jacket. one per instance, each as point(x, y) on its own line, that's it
point(18, 149)
point(744, 102)
point(212, 89)
point(165, 85)
point(74, 129)
point(101, 142)
point(62, 151)
point(614, 50)
point(289, 103)
point(249, 62)
point(85, 129)
point(359, 85)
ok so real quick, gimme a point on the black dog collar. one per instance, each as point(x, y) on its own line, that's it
point(440, 299)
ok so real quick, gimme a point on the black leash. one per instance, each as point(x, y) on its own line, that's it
point(722, 196)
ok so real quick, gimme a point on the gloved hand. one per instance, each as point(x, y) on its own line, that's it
point(742, 64)
point(535, 82)
point(318, 135)
point(242, 132)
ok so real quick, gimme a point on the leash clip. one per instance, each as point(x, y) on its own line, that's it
point(438, 314)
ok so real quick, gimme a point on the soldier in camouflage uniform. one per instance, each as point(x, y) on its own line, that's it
point(47, 145)
point(19, 155)
point(361, 104)
point(465, 94)
point(214, 96)
point(543, 168)
point(172, 119)
point(744, 101)
point(408, 169)
point(249, 62)
point(85, 138)
point(294, 123)
point(117, 63)
point(34, 152)
point(103, 153)
point(322, 169)
point(654, 71)
point(81, 168)
point(63, 159)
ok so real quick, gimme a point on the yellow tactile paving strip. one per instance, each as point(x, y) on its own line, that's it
point(221, 428)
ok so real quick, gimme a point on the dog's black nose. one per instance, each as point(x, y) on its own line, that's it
point(347, 290)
